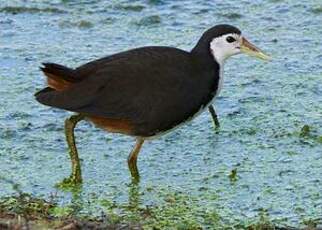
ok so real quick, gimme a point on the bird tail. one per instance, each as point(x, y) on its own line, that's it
point(59, 77)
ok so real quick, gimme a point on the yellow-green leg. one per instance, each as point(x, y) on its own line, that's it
point(132, 159)
point(214, 116)
point(76, 175)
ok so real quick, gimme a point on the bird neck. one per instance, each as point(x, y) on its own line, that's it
point(203, 53)
point(209, 65)
point(205, 59)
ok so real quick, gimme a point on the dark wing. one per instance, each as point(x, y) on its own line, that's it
point(155, 88)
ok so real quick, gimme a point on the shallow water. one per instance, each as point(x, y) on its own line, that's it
point(262, 107)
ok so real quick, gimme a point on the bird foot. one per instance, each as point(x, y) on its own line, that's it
point(135, 180)
point(216, 129)
point(71, 182)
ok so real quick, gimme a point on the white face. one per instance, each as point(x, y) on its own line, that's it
point(225, 46)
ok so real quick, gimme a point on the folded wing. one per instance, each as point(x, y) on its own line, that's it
point(143, 86)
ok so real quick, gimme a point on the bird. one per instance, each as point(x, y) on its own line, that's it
point(143, 92)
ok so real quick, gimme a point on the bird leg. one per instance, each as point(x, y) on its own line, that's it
point(214, 116)
point(132, 159)
point(76, 175)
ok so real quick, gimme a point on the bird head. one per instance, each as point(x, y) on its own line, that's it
point(224, 41)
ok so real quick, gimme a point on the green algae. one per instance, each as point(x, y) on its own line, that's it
point(233, 175)
point(310, 133)
point(60, 212)
point(130, 7)
point(82, 24)
point(173, 210)
point(232, 15)
point(317, 10)
point(30, 10)
point(156, 2)
point(178, 211)
point(305, 131)
point(26, 205)
point(149, 20)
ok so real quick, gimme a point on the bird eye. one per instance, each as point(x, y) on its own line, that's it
point(230, 39)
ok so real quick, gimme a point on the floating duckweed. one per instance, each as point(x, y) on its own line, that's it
point(8, 133)
point(233, 175)
point(135, 8)
point(156, 2)
point(175, 210)
point(305, 131)
point(232, 15)
point(319, 139)
point(83, 24)
point(264, 223)
point(25, 204)
point(60, 211)
point(317, 10)
point(30, 10)
point(149, 20)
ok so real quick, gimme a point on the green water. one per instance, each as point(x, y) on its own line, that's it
point(262, 107)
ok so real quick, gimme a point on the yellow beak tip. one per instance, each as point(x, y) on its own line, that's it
point(264, 57)
point(252, 50)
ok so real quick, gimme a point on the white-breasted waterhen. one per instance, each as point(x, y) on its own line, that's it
point(143, 92)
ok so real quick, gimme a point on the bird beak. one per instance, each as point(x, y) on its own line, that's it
point(250, 49)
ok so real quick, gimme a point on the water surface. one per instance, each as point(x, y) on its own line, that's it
point(262, 107)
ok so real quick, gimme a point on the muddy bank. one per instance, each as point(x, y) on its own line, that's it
point(27, 212)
